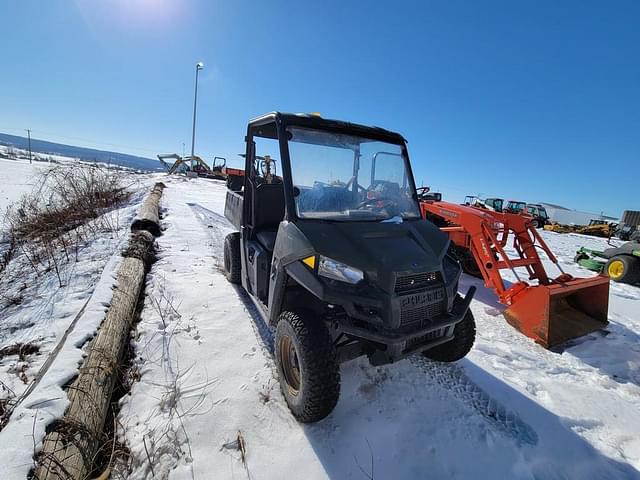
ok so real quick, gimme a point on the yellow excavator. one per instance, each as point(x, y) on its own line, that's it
point(190, 164)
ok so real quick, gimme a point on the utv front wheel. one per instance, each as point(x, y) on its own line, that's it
point(307, 367)
point(232, 266)
point(464, 336)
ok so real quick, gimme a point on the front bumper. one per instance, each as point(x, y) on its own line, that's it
point(399, 345)
point(377, 318)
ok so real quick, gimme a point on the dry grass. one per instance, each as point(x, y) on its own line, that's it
point(20, 349)
point(68, 207)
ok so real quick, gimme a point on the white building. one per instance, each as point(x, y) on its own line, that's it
point(565, 216)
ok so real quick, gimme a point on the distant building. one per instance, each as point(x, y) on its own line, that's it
point(565, 216)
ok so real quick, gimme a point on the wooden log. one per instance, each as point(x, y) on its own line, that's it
point(148, 217)
point(71, 444)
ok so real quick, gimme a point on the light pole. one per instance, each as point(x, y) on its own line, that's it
point(199, 66)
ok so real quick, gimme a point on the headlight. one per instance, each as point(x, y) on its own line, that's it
point(335, 270)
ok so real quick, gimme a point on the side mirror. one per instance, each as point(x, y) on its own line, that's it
point(296, 192)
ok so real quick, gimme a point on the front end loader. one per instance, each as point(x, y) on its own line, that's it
point(551, 311)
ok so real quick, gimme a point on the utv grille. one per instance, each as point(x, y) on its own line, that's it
point(417, 317)
point(417, 309)
point(416, 281)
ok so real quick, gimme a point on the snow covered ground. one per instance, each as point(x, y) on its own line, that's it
point(58, 320)
point(16, 178)
point(208, 404)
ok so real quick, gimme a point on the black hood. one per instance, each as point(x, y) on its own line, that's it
point(381, 250)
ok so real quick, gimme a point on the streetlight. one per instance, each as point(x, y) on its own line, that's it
point(199, 66)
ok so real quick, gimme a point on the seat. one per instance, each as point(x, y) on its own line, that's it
point(268, 213)
point(267, 238)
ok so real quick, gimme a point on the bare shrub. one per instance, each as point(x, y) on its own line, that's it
point(70, 206)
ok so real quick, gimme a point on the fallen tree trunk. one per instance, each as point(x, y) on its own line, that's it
point(149, 215)
point(70, 446)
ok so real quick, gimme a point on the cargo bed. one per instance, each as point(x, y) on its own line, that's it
point(233, 208)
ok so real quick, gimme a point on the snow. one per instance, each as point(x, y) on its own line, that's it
point(59, 321)
point(16, 179)
point(511, 409)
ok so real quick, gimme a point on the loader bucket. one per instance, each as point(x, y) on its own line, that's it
point(552, 314)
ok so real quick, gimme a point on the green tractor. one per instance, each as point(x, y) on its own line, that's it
point(620, 264)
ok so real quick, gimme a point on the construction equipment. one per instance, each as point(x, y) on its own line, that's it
point(629, 224)
point(558, 228)
point(599, 228)
point(493, 204)
point(539, 214)
point(233, 176)
point(515, 206)
point(336, 257)
point(550, 311)
point(621, 264)
point(471, 200)
point(218, 170)
point(183, 164)
point(628, 232)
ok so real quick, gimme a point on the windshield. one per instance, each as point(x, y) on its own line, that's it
point(349, 178)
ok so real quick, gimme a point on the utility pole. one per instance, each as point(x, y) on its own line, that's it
point(199, 66)
point(29, 136)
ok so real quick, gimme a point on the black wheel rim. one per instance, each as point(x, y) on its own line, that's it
point(290, 364)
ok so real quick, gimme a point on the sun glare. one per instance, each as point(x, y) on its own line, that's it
point(130, 13)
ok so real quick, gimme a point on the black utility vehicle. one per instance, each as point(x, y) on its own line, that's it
point(332, 249)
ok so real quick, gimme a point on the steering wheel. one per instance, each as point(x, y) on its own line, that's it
point(368, 201)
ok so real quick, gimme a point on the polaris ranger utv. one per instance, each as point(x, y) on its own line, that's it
point(332, 249)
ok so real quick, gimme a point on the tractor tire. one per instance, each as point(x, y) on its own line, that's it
point(535, 223)
point(232, 262)
point(467, 262)
point(456, 349)
point(308, 371)
point(623, 269)
point(470, 267)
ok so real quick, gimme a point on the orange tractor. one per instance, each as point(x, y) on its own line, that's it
point(548, 310)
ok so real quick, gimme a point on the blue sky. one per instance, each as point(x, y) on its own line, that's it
point(534, 100)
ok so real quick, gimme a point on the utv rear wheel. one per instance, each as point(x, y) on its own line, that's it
point(623, 269)
point(464, 336)
point(307, 368)
point(232, 266)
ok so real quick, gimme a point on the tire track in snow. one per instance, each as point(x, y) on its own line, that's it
point(217, 226)
point(453, 379)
